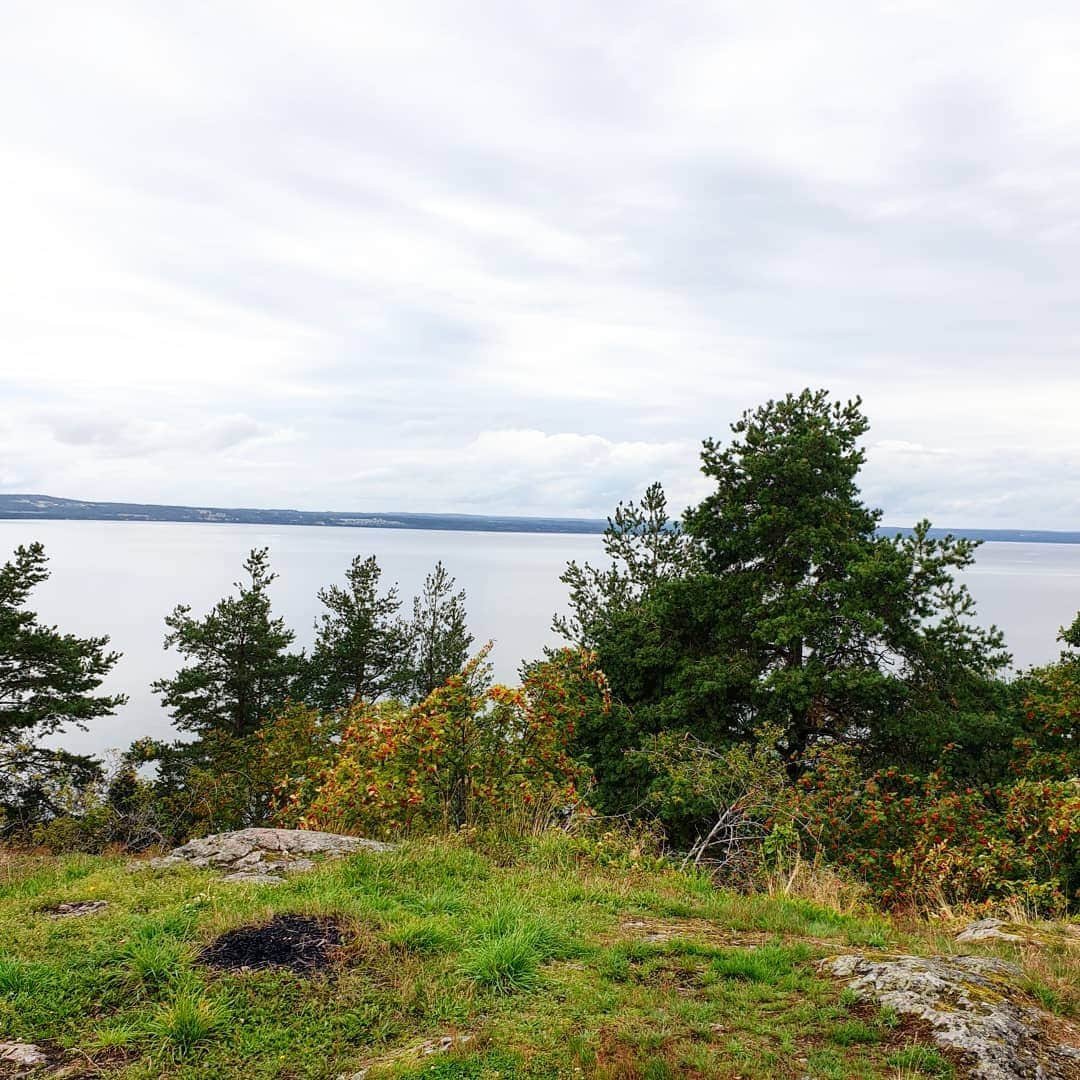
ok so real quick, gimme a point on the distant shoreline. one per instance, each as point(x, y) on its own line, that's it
point(20, 507)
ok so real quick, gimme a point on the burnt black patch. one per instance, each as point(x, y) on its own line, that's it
point(297, 942)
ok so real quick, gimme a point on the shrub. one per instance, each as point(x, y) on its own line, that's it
point(915, 839)
point(733, 805)
point(465, 756)
point(116, 810)
point(935, 842)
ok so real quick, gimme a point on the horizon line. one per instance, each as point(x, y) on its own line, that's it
point(55, 508)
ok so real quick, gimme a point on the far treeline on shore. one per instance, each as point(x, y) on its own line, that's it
point(28, 507)
point(771, 681)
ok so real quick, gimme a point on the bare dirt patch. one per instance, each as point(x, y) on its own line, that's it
point(297, 942)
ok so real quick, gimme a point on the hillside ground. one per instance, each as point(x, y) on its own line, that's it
point(549, 958)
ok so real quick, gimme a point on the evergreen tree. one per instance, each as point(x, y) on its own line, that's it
point(792, 612)
point(1071, 634)
point(240, 670)
point(439, 633)
point(644, 547)
point(47, 681)
point(831, 629)
point(362, 648)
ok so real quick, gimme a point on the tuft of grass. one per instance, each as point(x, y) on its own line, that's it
point(853, 1033)
point(118, 1035)
point(421, 936)
point(920, 1060)
point(152, 963)
point(189, 1019)
point(504, 964)
point(615, 962)
point(547, 937)
point(17, 977)
point(770, 964)
point(658, 1069)
point(1047, 996)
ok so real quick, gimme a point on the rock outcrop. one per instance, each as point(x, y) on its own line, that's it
point(18, 1060)
point(265, 855)
point(988, 930)
point(25, 1055)
point(75, 909)
point(974, 1007)
point(1044, 934)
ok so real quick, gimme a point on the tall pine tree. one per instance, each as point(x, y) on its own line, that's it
point(439, 632)
point(362, 648)
point(792, 611)
point(47, 681)
point(239, 669)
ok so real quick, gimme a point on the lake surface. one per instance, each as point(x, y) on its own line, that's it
point(121, 579)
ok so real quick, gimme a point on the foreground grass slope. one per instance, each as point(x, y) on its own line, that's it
point(552, 958)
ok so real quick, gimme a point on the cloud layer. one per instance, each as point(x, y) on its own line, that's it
point(465, 256)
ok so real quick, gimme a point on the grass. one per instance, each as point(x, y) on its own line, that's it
point(504, 964)
point(185, 1022)
point(532, 961)
point(775, 965)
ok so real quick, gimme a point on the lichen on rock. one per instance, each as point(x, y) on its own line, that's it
point(974, 1007)
point(1043, 935)
point(264, 855)
point(988, 930)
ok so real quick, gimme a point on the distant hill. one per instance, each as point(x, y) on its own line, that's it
point(46, 507)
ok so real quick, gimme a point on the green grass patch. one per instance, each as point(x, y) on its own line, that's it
point(504, 964)
point(528, 948)
point(923, 1060)
point(772, 964)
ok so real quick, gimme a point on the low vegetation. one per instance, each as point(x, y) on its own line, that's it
point(557, 956)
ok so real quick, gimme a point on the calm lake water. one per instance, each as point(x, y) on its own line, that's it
point(121, 579)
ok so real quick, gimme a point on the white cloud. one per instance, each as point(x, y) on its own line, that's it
point(527, 472)
point(477, 256)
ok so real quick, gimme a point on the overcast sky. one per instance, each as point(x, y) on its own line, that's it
point(511, 258)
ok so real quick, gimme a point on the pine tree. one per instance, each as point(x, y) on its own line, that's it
point(643, 546)
point(790, 611)
point(830, 629)
point(439, 633)
point(47, 681)
point(240, 670)
point(361, 650)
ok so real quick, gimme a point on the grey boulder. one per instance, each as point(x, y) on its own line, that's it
point(974, 1007)
point(264, 855)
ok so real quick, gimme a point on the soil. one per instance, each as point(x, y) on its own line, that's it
point(297, 942)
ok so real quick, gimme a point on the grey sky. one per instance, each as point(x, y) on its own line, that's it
point(523, 258)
